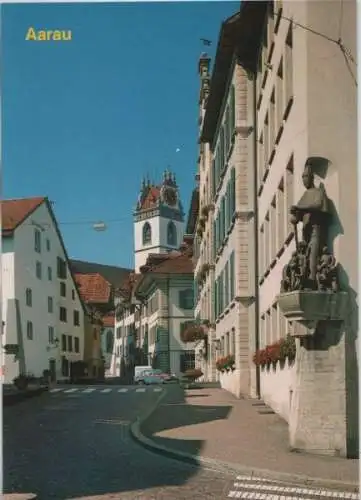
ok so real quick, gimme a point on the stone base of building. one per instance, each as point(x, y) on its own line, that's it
point(233, 383)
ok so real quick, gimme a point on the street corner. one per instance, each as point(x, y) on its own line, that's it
point(20, 496)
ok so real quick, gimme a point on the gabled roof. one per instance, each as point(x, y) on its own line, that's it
point(176, 263)
point(113, 274)
point(14, 212)
point(93, 288)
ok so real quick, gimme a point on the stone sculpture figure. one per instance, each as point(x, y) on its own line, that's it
point(313, 210)
point(327, 277)
point(312, 266)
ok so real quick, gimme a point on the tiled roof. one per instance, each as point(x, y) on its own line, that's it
point(93, 288)
point(175, 262)
point(109, 320)
point(150, 199)
point(14, 212)
point(126, 288)
point(113, 274)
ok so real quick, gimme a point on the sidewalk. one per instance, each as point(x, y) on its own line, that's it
point(212, 424)
point(11, 395)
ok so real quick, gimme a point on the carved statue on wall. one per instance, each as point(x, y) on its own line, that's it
point(311, 267)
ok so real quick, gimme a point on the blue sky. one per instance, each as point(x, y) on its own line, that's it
point(82, 121)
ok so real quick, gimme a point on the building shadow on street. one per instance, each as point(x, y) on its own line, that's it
point(104, 461)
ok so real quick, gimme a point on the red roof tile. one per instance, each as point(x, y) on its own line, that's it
point(14, 212)
point(150, 199)
point(93, 288)
point(109, 320)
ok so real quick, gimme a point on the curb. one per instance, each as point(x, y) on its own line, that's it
point(14, 398)
point(19, 496)
point(228, 467)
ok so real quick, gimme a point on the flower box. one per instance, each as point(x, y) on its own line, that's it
point(226, 364)
point(281, 350)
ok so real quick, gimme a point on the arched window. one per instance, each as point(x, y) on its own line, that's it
point(109, 342)
point(171, 234)
point(147, 234)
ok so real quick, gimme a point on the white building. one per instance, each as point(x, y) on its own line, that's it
point(156, 300)
point(41, 309)
point(158, 219)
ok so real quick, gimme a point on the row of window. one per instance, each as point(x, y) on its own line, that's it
point(224, 287)
point(37, 241)
point(66, 340)
point(61, 271)
point(223, 220)
point(29, 294)
point(224, 142)
point(273, 326)
point(62, 310)
point(171, 234)
point(276, 227)
point(278, 109)
point(227, 343)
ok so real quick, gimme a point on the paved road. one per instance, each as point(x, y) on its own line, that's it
point(75, 444)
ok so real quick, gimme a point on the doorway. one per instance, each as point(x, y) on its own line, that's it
point(52, 369)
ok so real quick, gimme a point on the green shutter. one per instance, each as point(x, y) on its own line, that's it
point(224, 229)
point(232, 276)
point(227, 132)
point(221, 152)
point(226, 291)
point(233, 195)
point(214, 246)
point(215, 299)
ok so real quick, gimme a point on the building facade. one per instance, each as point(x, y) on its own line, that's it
point(226, 230)
point(282, 94)
point(42, 311)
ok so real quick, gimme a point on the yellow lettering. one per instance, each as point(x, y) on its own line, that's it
point(57, 35)
point(42, 35)
point(48, 35)
point(30, 35)
point(66, 35)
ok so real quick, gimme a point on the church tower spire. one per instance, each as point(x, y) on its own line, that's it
point(158, 218)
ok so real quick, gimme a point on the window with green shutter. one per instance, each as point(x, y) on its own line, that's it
point(221, 295)
point(226, 287)
point(233, 191)
point(223, 210)
point(218, 168)
point(221, 149)
point(233, 110)
point(227, 132)
point(218, 231)
point(214, 241)
point(232, 276)
point(216, 299)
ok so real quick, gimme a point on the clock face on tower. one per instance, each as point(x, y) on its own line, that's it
point(170, 196)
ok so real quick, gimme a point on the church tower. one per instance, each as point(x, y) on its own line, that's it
point(158, 219)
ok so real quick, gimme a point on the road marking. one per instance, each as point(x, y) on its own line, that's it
point(88, 390)
point(157, 389)
point(104, 391)
point(57, 389)
point(141, 389)
point(123, 390)
point(300, 491)
point(71, 390)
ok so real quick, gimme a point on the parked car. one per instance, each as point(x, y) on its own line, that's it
point(139, 372)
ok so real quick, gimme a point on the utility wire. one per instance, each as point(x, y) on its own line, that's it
point(344, 50)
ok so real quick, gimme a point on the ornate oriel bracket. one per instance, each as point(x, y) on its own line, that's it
point(310, 290)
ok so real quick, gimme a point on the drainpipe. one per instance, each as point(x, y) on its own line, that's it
point(255, 202)
point(168, 305)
